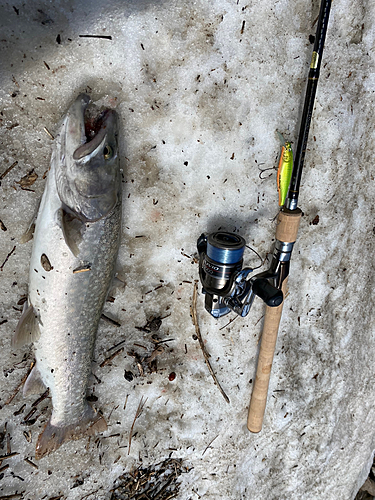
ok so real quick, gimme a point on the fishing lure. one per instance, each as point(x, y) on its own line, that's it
point(284, 171)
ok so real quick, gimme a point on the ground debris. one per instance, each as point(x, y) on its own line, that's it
point(137, 415)
point(108, 360)
point(31, 463)
point(110, 320)
point(103, 37)
point(15, 392)
point(27, 435)
point(47, 131)
point(8, 455)
point(3, 434)
point(147, 363)
point(7, 257)
point(14, 496)
point(41, 398)
point(152, 325)
point(206, 354)
point(315, 221)
point(159, 481)
point(82, 269)
point(28, 179)
point(159, 350)
point(8, 170)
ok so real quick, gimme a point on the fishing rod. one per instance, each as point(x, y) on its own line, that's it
point(286, 234)
point(225, 283)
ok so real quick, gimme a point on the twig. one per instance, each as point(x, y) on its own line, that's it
point(195, 323)
point(209, 445)
point(161, 341)
point(9, 449)
point(41, 398)
point(109, 359)
point(4, 467)
point(48, 133)
point(137, 415)
point(88, 494)
point(110, 320)
point(18, 412)
point(104, 37)
point(114, 347)
point(82, 269)
point(8, 170)
point(138, 362)
point(229, 322)
point(31, 463)
point(15, 495)
point(259, 320)
point(9, 400)
point(8, 455)
point(7, 257)
point(155, 353)
point(114, 408)
point(30, 414)
point(203, 347)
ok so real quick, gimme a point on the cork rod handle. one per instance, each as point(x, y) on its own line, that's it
point(286, 231)
point(266, 353)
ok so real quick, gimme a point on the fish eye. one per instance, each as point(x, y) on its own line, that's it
point(107, 152)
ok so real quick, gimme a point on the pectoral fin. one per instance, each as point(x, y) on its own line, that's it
point(73, 229)
point(34, 383)
point(29, 233)
point(27, 330)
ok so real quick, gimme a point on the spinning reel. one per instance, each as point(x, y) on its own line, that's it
point(226, 284)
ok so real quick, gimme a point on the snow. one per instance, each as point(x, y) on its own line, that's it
point(200, 103)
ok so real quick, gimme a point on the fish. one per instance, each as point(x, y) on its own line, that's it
point(285, 168)
point(78, 226)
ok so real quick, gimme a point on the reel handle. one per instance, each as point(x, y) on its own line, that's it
point(268, 293)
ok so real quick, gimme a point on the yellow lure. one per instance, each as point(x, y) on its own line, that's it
point(284, 171)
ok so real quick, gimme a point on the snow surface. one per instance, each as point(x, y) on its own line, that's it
point(201, 88)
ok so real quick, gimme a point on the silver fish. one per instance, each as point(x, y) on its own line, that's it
point(76, 241)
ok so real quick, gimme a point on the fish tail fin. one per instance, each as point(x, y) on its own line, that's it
point(53, 436)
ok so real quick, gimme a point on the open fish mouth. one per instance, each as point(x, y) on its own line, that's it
point(87, 175)
point(95, 133)
point(87, 126)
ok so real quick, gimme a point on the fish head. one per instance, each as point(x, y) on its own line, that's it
point(88, 175)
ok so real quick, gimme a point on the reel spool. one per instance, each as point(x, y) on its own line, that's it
point(224, 281)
